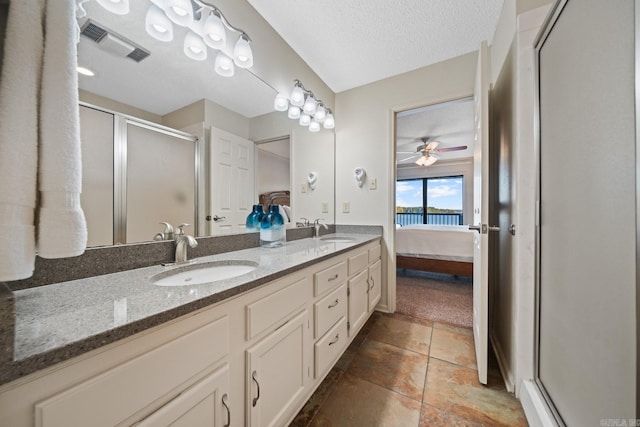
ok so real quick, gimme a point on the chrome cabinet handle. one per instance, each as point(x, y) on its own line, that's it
point(336, 302)
point(335, 340)
point(224, 403)
point(255, 399)
point(331, 279)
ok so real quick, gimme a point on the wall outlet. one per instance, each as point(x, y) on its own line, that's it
point(303, 187)
point(325, 207)
point(346, 207)
point(373, 184)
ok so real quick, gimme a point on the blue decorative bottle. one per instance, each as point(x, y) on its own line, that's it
point(254, 218)
point(273, 232)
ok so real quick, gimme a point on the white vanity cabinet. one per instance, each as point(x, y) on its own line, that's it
point(250, 360)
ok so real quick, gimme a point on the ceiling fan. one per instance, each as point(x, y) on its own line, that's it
point(427, 151)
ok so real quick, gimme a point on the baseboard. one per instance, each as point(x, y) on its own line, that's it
point(535, 407)
point(502, 363)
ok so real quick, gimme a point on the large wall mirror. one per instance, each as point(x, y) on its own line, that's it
point(177, 116)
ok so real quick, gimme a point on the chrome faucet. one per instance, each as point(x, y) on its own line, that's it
point(316, 227)
point(182, 240)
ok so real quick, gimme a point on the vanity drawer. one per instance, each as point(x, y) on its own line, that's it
point(374, 253)
point(330, 347)
point(329, 278)
point(113, 396)
point(267, 311)
point(358, 262)
point(329, 309)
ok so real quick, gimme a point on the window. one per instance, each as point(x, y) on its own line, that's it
point(429, 201)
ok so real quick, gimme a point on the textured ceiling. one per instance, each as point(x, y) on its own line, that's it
point(349, 43)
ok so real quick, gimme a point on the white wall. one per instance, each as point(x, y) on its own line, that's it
point(364, 137)
point(273, 172)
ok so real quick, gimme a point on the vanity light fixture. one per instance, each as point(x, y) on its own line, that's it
point(302, 105)
point(207, 26)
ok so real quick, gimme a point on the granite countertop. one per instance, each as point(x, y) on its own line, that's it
point(58, 321)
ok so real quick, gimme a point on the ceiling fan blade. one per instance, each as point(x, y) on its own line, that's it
point(407, 158)
point(444, 150)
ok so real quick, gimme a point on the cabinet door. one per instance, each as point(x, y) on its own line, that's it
point(277, 372)
point(358, 301)
point(375, 288)
point(206, 403)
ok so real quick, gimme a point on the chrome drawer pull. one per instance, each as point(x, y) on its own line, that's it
point(224, 402)
point(255, 399)
point(336, 302)
point(335, 340)
point(334, 277)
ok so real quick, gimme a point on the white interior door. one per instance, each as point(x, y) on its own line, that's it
point(481, 213)
point(232, 185)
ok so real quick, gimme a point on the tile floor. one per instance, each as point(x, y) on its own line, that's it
point(404, 371)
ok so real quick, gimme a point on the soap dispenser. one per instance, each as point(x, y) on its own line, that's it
point(273, 232)
point(254, 218)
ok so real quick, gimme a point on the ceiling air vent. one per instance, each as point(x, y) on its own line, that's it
point(113, 42)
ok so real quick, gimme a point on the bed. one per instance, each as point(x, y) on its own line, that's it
point(436, 248)
point(280, 197)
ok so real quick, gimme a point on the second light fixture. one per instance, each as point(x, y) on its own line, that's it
point(303, 106)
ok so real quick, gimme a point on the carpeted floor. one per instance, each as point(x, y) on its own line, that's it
point(436, 297)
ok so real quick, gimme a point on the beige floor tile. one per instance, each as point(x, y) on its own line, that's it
point(406, 318)
point(456, 390)
point(391, 367)
point(314, 403)
point(401, 333)
point(355, 402)
point(453, 347)
point(453, 328)
point(434, 417)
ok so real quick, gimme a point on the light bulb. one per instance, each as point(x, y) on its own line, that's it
point(329, 122)
point(305, 119)
point(179, 11)
point(321, 113)
point(158, 25)
point(294, 112)
point(224, 65)
point(194, 47)
point(214, 33)
point(310, 105)
point(119, 7)
point(280, 103)
point(242, 54)
point(314, 126)
point(297, 96)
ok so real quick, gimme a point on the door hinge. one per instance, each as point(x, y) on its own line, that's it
point(348, 291)
point(348, 325)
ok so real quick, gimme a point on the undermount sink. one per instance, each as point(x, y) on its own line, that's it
point(208, 272)
point(337, 239)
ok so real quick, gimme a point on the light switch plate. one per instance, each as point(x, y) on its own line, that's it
point(325, 207)
point(303, 187)
point(346, 206)
point(373, 184)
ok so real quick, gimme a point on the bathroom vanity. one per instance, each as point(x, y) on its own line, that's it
point(248, 350)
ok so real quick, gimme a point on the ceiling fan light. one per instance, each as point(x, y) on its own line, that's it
point(281, 103)
point(314, 126)
point(329, 122)
point(297, 96)
point(119, 7)
point(242, 54)
point(305, 119)
point(294, 112)
point(158, 25)
point(310, 105)
point(224, 65)
point(194, 47)
point(214, 34)
point(179, 11)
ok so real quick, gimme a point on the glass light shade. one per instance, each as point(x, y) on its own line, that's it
point(297, 96)
point(214, 33)
point(194, 47)
point(119, 7)
point(329, 122)
point(224, 65)
point(242, 54)
point(310, 105)
point(305, 119)
point(158, 25)
point(294, 112)
point(426, 161)
point(314, 126)
point(281, 103)
point(85, 71)
point(321, 113)
point(179, 11)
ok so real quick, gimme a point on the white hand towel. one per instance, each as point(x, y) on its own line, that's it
point(62, 229)
point(19, 83)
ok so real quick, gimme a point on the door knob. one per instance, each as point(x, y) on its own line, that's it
point(512, 229)
point(494, 228)
point(217, 218)
point(474, 227)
